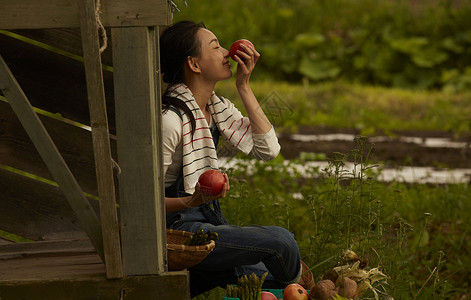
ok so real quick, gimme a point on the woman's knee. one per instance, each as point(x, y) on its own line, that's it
point(277, 240)
point(284, 237)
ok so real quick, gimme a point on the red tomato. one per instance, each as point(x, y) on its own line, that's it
point(236, 46)
point(295, 291)
point(268, 296)
point(211, 182)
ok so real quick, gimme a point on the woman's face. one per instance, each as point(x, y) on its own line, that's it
point(213, 60)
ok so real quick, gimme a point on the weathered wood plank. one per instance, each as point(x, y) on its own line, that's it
point(5, 241)
point(49, 266)
point(159, 162)
point(53, 82)
point(48, 248)
point(75, 144)
point(36, 210)
point(67, 39)
point(31, 14)
point(101, 139)
point(172, 285)
point(50, 155)
point(142, 210)
point(73, 270)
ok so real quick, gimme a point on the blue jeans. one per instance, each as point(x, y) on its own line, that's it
point(241, 250)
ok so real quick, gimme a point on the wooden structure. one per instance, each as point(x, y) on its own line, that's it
point(80, 156)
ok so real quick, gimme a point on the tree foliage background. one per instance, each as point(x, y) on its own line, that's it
point(414, 44)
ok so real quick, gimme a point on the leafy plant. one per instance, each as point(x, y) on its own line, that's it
point(415, 234)
point(405, 44)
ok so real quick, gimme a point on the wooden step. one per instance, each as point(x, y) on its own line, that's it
point(73, 270)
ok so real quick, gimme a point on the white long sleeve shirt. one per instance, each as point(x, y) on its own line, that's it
point(266, 146)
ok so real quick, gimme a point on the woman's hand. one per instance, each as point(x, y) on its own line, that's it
point(246, 63)
point(258, 120)
point(199, 198)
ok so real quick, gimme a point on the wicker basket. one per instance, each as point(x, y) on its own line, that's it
point(182, 256)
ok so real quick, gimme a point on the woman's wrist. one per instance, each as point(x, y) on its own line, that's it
point(196, 200)
point(243, 87)
point(245, 93)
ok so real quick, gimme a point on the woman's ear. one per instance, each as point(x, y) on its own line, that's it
point(193, 64)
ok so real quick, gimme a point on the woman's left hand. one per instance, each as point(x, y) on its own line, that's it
point(199, 198)
point(246, 63)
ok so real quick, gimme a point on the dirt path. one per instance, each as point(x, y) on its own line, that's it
point(392, 151)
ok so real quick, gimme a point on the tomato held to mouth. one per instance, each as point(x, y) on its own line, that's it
point(211, 182)
point(236, 46)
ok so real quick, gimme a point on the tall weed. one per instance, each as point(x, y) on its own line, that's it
point(416, 234)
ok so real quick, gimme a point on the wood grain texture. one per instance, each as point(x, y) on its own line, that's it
point(51, 156)
point(172, 285)
point(142, 211)
point(33, 14)
point(72, 270)
point(47, 248)
point(101, 140)
point(36, 210)
point(74, 143)
point(54, 82)
point(66, 39)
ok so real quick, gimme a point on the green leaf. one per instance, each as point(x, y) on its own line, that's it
point(318, 70)
point(429, 57)
point(411, 45)
point(422, 239)
point(450, 74)
point(286, 13)
point(214, 294)
point(338, 297)
point(308, 40)
point(450, 44)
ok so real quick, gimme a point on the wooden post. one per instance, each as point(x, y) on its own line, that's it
point(141, 183)
point(101, 140)
point(51, 156)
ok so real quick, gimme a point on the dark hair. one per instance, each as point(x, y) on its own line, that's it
point(177, 43)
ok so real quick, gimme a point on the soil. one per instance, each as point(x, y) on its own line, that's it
point(390, 153)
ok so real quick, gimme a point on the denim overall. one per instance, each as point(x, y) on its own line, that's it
point(202, 213)
point(239, 250)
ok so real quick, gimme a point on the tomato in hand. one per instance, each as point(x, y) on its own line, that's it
point(211, 182)
point(236, 46)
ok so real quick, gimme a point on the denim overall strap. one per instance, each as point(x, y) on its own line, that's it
point(212, 214)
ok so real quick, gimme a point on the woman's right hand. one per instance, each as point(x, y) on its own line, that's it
point(199, 197)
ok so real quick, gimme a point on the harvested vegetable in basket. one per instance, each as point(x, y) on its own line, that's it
point(201, 238)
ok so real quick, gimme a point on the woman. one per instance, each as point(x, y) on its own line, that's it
point(192, 62)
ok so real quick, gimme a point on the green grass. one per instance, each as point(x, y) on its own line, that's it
point(13, 237)
point(417, 234)
point(368, 109)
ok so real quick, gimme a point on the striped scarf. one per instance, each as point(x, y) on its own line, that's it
point(199, 152)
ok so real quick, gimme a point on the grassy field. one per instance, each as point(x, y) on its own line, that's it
point(365, 108)
point(418, 235)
